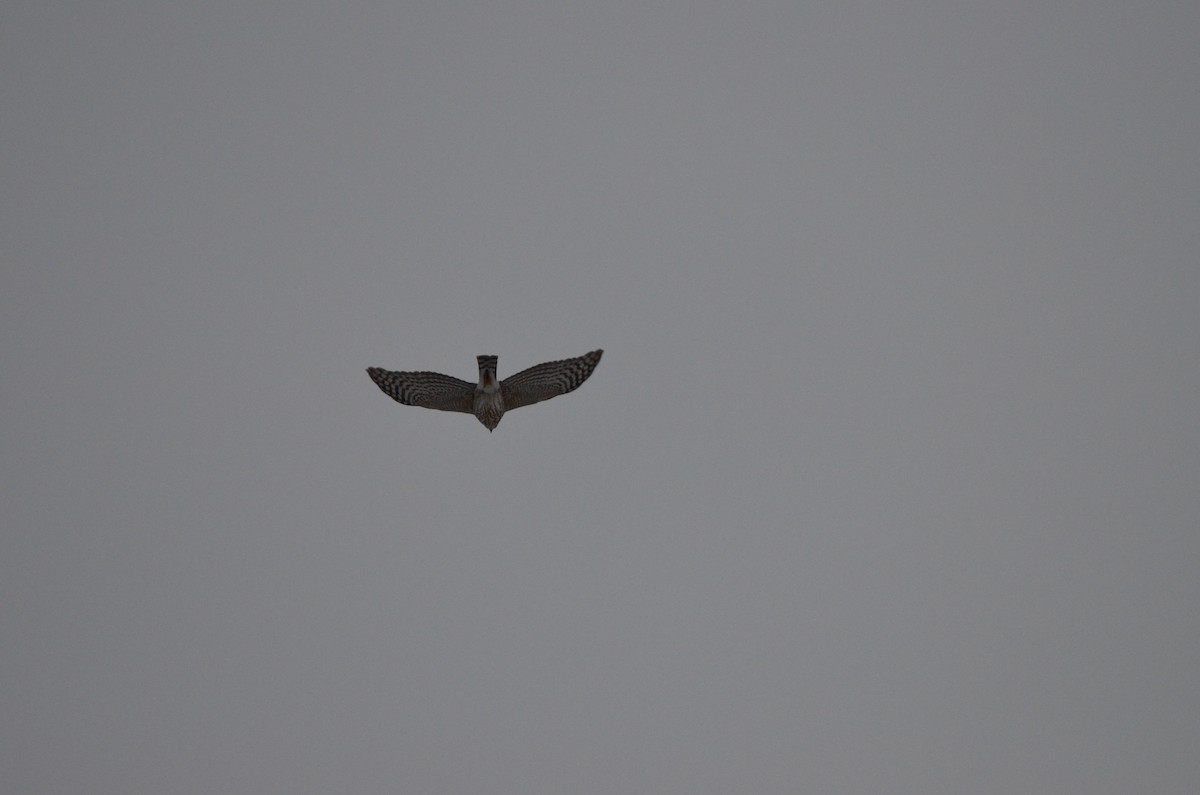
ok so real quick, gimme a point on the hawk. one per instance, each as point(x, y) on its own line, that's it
point(490, 398)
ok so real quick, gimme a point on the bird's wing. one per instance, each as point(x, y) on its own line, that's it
point(428, 390)
point(547, 380)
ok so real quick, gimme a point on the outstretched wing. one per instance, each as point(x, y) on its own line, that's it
point(547, 380)
point(428, 390)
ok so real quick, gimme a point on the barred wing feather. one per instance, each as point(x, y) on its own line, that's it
point(428, 390)
point(547, 380)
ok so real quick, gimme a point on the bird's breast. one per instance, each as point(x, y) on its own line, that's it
point(489, 407)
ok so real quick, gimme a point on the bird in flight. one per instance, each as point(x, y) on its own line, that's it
point(490, 398)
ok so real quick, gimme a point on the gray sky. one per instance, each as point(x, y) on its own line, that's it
point(889, 481)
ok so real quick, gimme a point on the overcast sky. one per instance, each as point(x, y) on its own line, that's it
point(889, 480)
